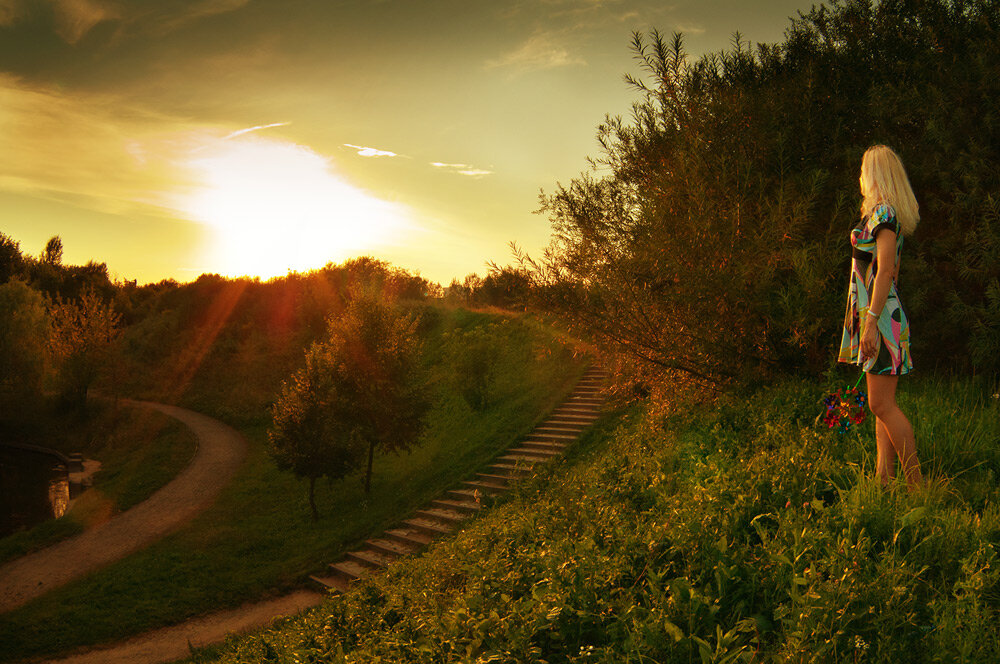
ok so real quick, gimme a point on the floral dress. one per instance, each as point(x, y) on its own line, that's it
point(893, 356)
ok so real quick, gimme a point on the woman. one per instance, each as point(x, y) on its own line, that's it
point(876, 332)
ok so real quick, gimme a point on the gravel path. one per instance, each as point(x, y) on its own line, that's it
point(172, 643)
point(221, 451)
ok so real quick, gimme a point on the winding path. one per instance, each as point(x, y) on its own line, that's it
point(221, 451)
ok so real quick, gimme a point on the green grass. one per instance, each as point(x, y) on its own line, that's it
point(259, 539)
point(735, 532)
point(140, 451)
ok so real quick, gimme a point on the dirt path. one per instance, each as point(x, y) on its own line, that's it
point(172, 643)
point(221, 451)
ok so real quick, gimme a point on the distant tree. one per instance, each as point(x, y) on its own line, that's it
point(360, 392)
point(23, 331)
point(11, 261)
point(306, 437)
point(81, 339)
point(474, 357)
point(53, 252)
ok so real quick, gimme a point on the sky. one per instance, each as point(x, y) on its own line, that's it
point(170, 138)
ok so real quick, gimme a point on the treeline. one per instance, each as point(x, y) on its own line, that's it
point(710, 242)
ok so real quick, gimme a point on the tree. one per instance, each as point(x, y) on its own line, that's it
point(53, 252)
point(306, 437)
point(23, 331)
point(11, 260)
point(361, 391)
point(82, 335)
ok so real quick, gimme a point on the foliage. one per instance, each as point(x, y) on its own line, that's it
point(359, 391)
point(80, 344)
point(11, 260)
point(710, 242)
point(474, 357)
point(741, 533)
point(53, 252)
point(23, 332)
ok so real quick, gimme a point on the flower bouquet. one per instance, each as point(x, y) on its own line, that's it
point(844, 408)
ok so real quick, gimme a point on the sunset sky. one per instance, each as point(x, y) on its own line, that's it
point(169, 138)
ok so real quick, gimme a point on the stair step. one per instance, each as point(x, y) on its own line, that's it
point(467, 506)
point(578, 413)
point(558, 425)
point(428, 525)
point(495, 478)
point(485, 487)
point(509, 469)
point(524, 458)
point(542, 445)
point(554, 437)
point(335, 582)
point(410, 537)
point(370, 558)
point(446, 516)
point(468, 494)
point(530, 451)
point(391, 547)
point(349, 569)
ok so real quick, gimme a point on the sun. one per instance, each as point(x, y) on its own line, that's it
point(276, 206)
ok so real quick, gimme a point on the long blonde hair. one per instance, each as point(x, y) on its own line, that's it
point(884, 180)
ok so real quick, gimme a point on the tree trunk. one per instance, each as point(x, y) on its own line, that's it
point(368, 475)
point(312, 498)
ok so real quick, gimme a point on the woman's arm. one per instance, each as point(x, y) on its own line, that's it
point(885, 246)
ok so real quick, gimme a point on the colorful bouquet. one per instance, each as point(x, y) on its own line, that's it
point(845, 407)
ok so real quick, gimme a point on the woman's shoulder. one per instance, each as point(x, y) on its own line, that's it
point(882, 213)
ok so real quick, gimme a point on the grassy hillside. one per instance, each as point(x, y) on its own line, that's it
point(737, 532)
point(259, 538)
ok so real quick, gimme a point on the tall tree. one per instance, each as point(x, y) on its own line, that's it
point(81, 339)
point(53, 252)
point(11, 260)
point(360, 392)
point(23, 331)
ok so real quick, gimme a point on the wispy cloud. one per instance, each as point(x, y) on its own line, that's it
point(75, 18)
point(540, 51)
point(250, 129)
point(371, 152)
point(462, 169)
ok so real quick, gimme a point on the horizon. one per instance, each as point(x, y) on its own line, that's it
point(258, 138)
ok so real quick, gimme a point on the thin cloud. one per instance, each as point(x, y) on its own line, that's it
point(462, 169)
point(371, 152)
point(540, 51)
point(75, 18)
point(250, 129)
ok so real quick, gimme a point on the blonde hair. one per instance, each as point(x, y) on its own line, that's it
point(884, 180)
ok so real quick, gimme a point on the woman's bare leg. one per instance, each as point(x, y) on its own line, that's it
point(885, 462)
point(882, 401)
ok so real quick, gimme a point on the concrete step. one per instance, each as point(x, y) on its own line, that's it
point(524, 458)
point(534, 451)
point(485, 487)
point(509, 469)
point(391, 547)
point(584, 401)
point(409, 537)
point(543, 446)
point(468, 494)
point(552, 437)
point(581, 413)
point(348, 569)
point(506, 480)
point(331, 582)
point(467, 506)
point(446, 516)
point(429, 526)
point(572, 430)
point(370, 558)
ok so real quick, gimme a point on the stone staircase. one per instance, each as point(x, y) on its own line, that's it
point(447, 514)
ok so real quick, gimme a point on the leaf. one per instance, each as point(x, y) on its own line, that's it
point(673, 630)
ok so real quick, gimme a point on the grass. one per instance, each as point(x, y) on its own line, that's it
point(259, 539)
point(140, 451)
point(736, 532)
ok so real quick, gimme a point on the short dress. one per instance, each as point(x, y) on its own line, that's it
point(893, 356)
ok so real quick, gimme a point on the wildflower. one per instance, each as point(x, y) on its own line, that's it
point(860, 644)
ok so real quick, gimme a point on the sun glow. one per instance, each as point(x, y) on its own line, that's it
point(277, 206)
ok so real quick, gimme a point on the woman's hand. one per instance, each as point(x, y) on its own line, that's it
point(869, 338)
